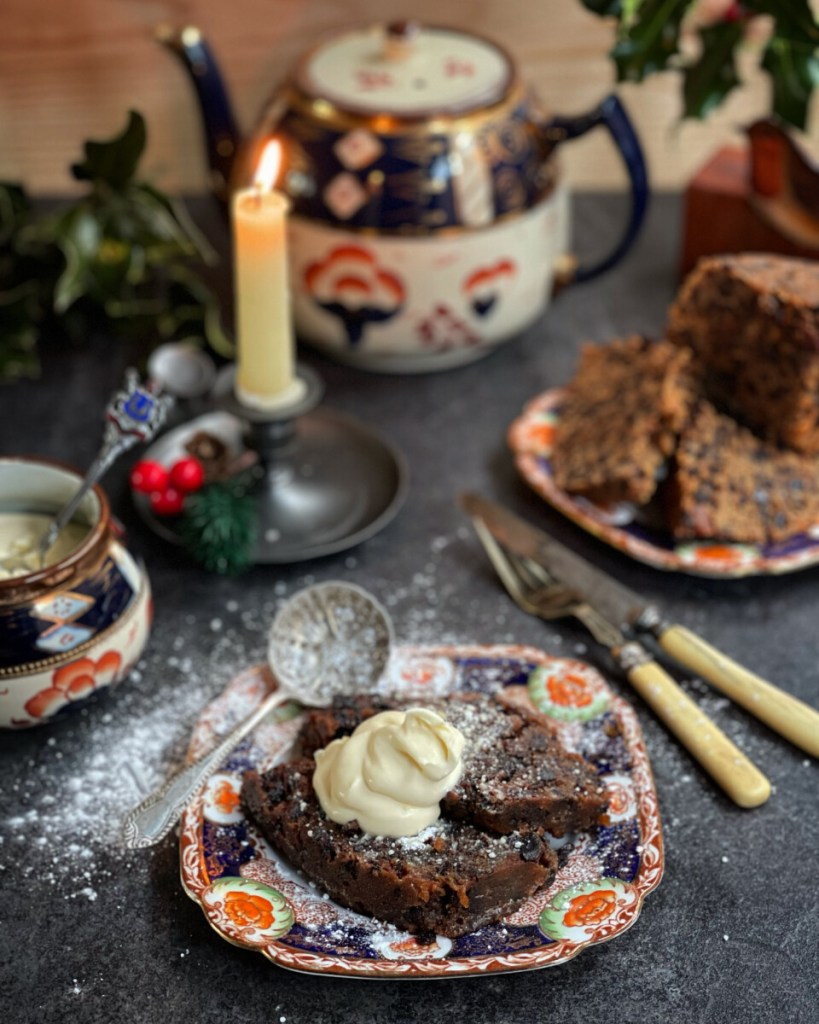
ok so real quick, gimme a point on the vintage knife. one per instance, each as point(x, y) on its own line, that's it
point(791, 718)
point(549, 598)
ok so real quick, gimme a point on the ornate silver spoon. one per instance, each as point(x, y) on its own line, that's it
point(134, 414)
point(330, 639)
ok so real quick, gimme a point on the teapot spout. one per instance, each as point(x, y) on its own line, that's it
point(221, 133)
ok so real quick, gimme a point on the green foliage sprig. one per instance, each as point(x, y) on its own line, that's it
point(122, 258)
point(218, 526)
point(648, 40)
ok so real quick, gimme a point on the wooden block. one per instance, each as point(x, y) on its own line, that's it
point(719, 214)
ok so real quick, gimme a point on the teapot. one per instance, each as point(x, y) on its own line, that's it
point(429, 220)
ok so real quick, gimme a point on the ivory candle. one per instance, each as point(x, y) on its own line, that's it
point(265, 374)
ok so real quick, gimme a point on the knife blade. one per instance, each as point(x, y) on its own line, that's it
point(785, 714)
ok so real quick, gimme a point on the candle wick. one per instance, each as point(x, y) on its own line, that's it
point(258, 191)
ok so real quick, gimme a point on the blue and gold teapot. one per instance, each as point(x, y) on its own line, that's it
point(429, 217)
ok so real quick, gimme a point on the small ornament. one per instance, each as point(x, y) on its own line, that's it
point(218, 527)
point(168, 502)
point(167, 488)
point(212, 453)
point(188, 474)
point(148, 476)
point(208, 493)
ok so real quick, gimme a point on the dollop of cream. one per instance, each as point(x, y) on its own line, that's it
point(391, 773)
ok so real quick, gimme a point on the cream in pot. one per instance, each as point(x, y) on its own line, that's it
point(78, 624)
point(20, 533)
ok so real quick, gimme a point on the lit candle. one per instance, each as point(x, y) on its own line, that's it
point(265, 375)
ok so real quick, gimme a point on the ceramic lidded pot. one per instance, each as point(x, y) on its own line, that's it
point(429, 217)
point(78, 625)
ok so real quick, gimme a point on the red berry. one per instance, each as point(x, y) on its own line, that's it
point(168, 502)
point(187, 474)
point(734, 12)
point(148, 476)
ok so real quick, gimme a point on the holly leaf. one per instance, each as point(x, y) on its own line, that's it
point(647, 41)
point(708, 80)
point(196, 312)
point(121, 258)
point(648, 37)
point(184, 226)
point(794, 70)
point(604, 8)
point(78, 236)
point(793, 18)
point(18, 339)
point(15, 209)
point(114, 162)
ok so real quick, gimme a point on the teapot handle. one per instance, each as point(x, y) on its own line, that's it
point(221, 133)
point(612, 115)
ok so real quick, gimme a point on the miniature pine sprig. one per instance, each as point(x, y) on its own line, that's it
point(218, 525)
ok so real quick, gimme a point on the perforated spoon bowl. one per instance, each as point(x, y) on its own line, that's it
point(331, 639)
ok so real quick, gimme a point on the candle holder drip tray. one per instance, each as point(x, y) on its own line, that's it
point(325, 481)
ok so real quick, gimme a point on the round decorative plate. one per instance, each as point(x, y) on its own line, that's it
point(530, 438)
point(346, 484)
point(254, 898)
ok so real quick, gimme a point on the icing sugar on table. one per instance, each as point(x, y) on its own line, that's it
point(97, 764)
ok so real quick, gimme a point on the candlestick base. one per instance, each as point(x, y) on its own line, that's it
point(327, 481)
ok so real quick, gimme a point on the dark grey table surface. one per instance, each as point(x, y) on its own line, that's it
point(92, 934)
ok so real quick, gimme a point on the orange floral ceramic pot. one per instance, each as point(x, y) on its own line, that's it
point(79, 624)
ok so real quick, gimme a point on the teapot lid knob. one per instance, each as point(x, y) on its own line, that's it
point(400, 39)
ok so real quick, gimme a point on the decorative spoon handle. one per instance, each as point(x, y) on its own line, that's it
point(135, 413)
point(152, 820)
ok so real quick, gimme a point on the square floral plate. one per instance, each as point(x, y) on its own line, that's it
point(253, 898)
point(530, 438)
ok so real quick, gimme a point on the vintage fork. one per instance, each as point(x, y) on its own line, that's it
point(537, 592)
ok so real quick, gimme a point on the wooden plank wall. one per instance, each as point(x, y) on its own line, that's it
point(70, 69)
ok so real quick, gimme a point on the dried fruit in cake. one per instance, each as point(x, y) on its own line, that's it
point(752, 322)
point(620, 420)
point(517, 775)
point(487, 852)
point(727, 483)
point(450, 879)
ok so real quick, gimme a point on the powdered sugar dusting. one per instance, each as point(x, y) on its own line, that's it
point(66, 810)
point(62, 818)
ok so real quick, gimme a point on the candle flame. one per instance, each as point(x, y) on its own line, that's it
point(268, 169)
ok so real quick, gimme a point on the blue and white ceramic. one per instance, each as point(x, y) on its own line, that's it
point(74, 627)
point(253, 898)
point(430, 219)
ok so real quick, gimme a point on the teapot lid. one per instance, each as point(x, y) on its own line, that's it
point(406, 70)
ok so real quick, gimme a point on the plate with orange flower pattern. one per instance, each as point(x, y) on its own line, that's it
point(531, 437)
point(253, 898)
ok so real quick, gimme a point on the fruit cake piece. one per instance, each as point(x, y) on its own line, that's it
point(728, 484)
point(450, 879)
point(516, 776)
point(619, 423)
point(752, 322)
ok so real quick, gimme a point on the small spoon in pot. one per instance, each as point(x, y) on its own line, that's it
point(329, 640)
point(134, 414)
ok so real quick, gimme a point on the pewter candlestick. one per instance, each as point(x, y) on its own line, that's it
point(327, 482)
